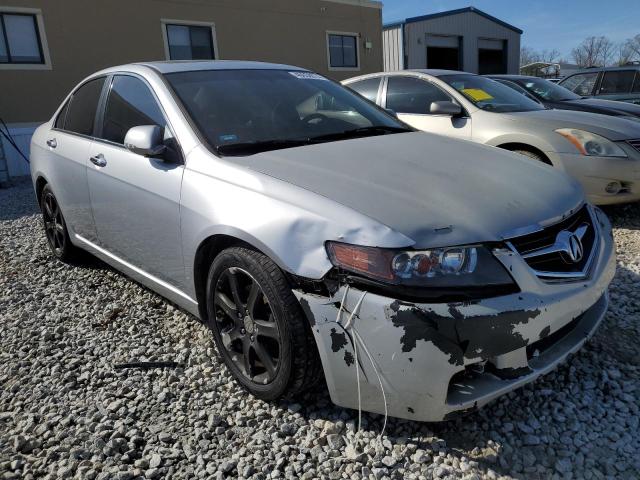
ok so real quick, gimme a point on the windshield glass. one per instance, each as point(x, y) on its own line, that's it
point(490, 95)
point(241, 112)
point(546, 90)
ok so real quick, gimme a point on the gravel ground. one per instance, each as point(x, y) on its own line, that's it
point(66, 412)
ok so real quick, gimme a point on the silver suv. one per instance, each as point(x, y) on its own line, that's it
point(313, 232)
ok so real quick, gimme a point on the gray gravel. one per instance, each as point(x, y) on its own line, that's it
point(66, 412)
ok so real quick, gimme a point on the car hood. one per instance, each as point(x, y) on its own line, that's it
point(613, 128)
point(435, 190)
point(620, 108)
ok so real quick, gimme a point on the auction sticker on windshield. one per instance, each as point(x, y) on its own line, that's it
point(477, 94)
point(308, 76)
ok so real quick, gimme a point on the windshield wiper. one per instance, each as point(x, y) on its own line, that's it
point(249, 148)
point(360, 132)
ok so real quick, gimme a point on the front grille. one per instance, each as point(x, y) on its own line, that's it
point(548, 251)
point(635, 144)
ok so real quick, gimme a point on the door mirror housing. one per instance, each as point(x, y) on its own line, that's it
point(145, 140)
point(445, 108)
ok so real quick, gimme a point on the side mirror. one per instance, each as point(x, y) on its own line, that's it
point(145, 140)
point(391, 112)
point(445, 108)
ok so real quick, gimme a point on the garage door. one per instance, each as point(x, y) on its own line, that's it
point(443, 51)
point(492, 58)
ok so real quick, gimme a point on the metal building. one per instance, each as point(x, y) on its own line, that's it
point(465, 39)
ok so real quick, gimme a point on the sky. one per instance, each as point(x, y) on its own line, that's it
point(547, 24)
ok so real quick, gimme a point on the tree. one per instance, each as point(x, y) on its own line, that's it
point(593, 51)
point(528, 55)
point(549, 56)
point(625, 53)
point(632, 48)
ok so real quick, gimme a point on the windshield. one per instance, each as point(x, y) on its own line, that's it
point(490, 95)
point(546, 90)
point(241, 112)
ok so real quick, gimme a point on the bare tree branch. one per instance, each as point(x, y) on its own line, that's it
point(593, 51)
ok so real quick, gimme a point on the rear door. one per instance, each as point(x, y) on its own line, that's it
point(69, 144)
point(618, 85)
point(411, 99)
point(136, 200)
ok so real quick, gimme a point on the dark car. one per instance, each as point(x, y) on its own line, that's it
point(552, 95)
point(608, 83)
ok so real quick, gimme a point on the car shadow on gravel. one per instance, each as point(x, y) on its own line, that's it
point(624, 216)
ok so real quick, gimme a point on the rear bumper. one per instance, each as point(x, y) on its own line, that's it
point(595, 173)
point(435, 360)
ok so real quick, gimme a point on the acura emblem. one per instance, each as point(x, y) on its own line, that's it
point(568, 244)
point(575, 250)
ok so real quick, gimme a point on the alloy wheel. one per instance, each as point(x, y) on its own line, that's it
point(53, 223)
point(247, 325)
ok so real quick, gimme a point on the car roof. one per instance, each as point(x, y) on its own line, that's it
point(513, 77)
point(174, 66)
point(434, 72)
point(607, 69)
point(411, 72)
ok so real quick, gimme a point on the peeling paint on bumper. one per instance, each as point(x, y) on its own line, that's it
point(438, 359)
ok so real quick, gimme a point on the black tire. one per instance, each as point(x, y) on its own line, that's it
point(55, 228)
point(294, 364)
point(534, 155)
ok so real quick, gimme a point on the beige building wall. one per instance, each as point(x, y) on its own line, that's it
point(83, 36)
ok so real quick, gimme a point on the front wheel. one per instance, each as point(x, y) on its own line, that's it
point(533, 155)
point(258, 326)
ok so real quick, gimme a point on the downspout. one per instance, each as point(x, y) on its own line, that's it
point(404, 46)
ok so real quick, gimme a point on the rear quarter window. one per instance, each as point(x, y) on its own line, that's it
point(82, 108)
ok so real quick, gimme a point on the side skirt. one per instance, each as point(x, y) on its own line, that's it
point(154, 283)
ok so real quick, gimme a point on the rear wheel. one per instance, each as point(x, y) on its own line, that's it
point(258, 326)
point(55, 227)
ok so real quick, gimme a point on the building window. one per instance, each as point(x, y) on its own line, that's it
point(343, 50)
point(189, 41)
point(20, 39)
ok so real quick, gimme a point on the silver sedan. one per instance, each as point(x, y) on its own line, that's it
point(315, 233)
point(601, 151)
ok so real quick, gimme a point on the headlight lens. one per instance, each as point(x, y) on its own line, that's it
point(473, 266)
point(591, 144)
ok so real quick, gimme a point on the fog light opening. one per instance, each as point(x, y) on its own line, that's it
point(613, 188)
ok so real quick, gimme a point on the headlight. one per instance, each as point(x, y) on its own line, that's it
point(591, 144)
point(472, 266)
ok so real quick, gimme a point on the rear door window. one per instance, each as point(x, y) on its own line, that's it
point(412, 95)
point(367, 88)
point(81, 112)
point(617, 82)
point(59, 124)
point(636, 83)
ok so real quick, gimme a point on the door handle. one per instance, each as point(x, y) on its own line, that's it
point(99, 160)
point(52, 143)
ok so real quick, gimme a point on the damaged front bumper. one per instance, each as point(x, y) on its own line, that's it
point(435, 360)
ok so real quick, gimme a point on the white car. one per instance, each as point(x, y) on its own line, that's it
point(601, 152)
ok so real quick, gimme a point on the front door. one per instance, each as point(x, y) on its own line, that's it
point(136, 200)
point(411, 99)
